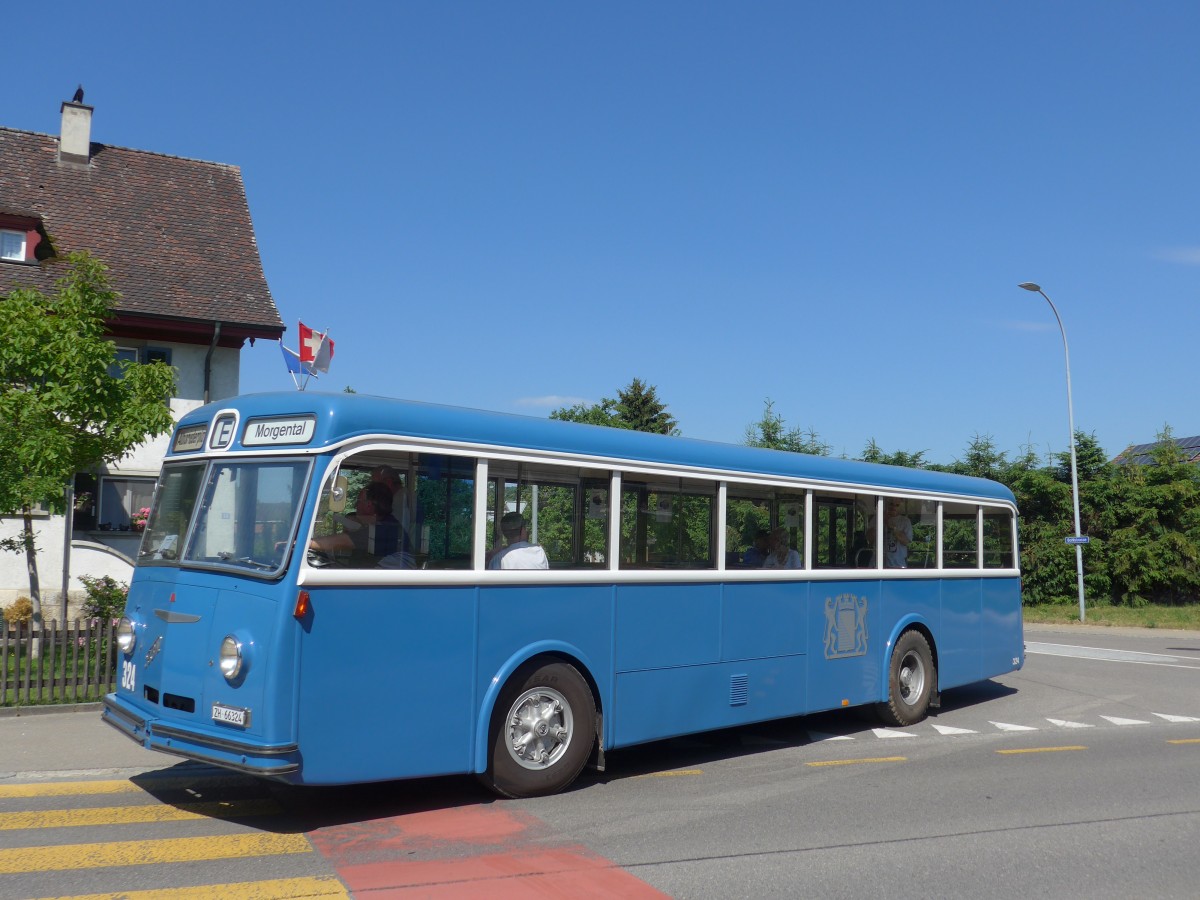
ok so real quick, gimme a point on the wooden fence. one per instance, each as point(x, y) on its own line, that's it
point(74, 662)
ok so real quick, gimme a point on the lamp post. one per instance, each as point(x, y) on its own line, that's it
point(1079, 539)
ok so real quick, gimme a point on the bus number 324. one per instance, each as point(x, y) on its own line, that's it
point(128, 674)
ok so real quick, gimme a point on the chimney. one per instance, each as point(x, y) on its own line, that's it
point(75, 144)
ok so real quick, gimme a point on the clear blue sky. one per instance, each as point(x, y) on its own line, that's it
point(517, 206)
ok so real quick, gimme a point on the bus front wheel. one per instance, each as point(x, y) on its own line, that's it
point(543, 729)
point(910, 681)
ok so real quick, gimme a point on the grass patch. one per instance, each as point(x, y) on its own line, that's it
point(1181, 617)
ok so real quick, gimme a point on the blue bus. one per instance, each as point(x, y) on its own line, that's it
point(342, 588)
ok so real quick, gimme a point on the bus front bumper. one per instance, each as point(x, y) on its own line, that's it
point(267, 760)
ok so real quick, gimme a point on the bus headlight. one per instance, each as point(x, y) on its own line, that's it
point(126, 635)
point(230, 658)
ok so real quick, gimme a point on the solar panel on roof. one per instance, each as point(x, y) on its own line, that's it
point(1142, 454)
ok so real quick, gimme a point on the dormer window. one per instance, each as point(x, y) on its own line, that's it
point(12, 245)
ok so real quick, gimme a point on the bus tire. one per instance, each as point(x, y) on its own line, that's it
point(542, 731)
point(911, 678)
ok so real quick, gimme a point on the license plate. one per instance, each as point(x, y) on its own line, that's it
point(231, 715)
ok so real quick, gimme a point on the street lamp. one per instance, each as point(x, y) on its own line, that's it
point(1079, 538)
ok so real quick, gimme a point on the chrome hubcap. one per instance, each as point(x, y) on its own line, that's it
point(539, 728)
point(912, 678)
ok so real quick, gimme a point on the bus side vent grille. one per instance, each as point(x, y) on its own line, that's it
point(183, 704)
point(739, 690)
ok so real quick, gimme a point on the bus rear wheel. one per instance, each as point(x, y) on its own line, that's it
point(542, 733)
point(910, 681)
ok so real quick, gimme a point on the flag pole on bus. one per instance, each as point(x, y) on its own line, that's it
point(316, 351)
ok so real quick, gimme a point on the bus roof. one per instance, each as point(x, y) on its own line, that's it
point(343, 417)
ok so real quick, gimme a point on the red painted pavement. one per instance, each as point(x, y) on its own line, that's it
point(467, 852)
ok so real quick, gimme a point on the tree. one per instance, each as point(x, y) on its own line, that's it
point(640, 409)
point(982, 459)
point(771, 432)
point(637, 408)
point(874, 453)
point(63, 410)
point(1155, 546)
point(602, 413)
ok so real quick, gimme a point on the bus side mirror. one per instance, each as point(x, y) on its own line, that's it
point(337, 494)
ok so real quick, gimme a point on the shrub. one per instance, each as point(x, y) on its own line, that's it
point(20, 610)
point(105, 597)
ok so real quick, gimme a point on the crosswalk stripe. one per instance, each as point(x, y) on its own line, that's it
point(1117, 720)
point(1004, 726)
point(137, 853)
point(1171, 718)
point(891, 733)
point(125, 815)
point(950, 729)
point(321, 888)
point(1063, 723)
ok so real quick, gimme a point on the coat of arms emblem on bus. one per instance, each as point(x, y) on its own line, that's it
point(845, 626)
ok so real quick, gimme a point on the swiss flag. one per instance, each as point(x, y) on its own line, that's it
point(316, 349)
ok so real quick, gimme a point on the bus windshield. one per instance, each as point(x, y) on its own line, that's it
point(242, 514)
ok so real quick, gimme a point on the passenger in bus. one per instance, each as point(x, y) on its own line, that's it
point(401, 508)
point(518, 552)
point(371, 534)
point(756, 556)
point(897, 535)
point(781, 555)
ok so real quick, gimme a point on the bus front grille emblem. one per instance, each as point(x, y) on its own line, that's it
point(845, 626)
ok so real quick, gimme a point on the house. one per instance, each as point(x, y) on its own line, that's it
point(177, 237)
point(1143, 454)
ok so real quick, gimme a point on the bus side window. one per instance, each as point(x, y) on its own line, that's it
point(960, 541)
point(997, 539)
point(839, 532)
point(747, 527)
point(922, 551)
point(564, 508)
point(668, 525)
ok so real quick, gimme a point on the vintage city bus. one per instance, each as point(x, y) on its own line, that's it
point(325, 591)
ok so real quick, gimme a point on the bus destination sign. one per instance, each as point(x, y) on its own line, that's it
point(275, 432)
point(189, 439)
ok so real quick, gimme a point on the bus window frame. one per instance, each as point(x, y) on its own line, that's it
point(623, 471)
point(211, 462)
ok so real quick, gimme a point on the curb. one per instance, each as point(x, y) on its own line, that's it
point(12, 712)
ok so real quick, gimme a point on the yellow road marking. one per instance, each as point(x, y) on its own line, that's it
point(140, 853)
point(1038, 750)
point(326, 888)
point(673, 773)
point(68, 788)
point(125, 815)
point(119, 786)
point(852, 762)
point(1185, 741)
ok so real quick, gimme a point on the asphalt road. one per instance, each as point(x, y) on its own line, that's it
point(1078, 776)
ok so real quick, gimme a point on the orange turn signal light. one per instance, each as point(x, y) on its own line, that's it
point(301, 609)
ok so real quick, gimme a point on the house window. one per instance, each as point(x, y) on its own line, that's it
point(123, 354)
point(121, 499)
point(12, 245)
point(144, 356)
